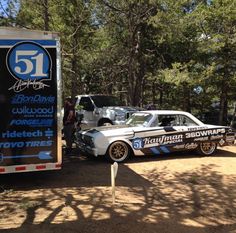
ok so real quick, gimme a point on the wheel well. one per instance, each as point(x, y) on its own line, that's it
point(104, 120)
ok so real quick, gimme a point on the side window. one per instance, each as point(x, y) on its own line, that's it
point(186, 121)
point(86, 103)
point(167, 120)
point(154, 123)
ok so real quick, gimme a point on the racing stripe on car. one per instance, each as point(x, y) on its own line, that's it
point(155, 150)
point(160, 150)
point(164, 149)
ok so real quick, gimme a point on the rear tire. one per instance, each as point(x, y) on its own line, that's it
point(118, 152)
point(207, 148)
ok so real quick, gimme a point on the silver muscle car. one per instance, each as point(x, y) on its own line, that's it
point(154, 132)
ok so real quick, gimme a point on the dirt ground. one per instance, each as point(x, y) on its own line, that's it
point(176, 193)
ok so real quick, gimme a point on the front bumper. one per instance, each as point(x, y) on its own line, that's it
point(86, 148)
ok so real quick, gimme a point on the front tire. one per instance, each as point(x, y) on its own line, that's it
point(118, 152)
point(207, 148)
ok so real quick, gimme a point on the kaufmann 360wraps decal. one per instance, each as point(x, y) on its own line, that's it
point(187, 140)
point(28, 102)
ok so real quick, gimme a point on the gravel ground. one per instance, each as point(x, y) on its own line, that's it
point(177, 193)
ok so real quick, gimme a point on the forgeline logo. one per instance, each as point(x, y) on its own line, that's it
point(30, 64)
point(32, 122)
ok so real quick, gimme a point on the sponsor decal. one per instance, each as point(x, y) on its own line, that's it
point(197, 128)
point(178, 147)
point(180, 141)
point(27, 134)
point(221, 142)
point(138, 143)
point(201, 139)
point(30, 64)
point(191, 146)
point(22, 144)
point(208, 132)
point(230, 138)
point(216, 137)
point(32, 111)
point(35, 99)
point(163, 140)
point(32, 122)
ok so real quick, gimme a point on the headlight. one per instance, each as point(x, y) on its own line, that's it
point(89, 141)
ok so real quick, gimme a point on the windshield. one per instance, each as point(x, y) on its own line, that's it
point(105, 101)
point(139, 119)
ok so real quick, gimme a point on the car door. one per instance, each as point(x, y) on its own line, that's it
point(88, 111)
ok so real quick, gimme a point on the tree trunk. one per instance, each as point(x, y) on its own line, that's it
point(46, 15)
point(74, 90)
point(223, 106)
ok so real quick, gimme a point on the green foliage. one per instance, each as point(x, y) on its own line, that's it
point(142, 51)
point(8, 12)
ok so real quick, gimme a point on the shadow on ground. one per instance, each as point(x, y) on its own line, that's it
point(78, 199)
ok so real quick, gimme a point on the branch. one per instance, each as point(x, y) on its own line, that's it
point(110, 6)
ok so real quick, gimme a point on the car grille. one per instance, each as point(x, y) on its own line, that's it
point(79, 137)
point(85, 139)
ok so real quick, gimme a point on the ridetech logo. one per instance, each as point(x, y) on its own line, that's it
point(30, 64)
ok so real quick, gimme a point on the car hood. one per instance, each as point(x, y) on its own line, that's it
point(113, 130)
point(122, 108)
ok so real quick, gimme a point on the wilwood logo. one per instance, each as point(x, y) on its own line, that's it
point(32, 111)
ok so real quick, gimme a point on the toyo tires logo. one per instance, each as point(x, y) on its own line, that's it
point(30, 64)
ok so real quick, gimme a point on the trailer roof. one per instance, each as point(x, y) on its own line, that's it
point(20, 33)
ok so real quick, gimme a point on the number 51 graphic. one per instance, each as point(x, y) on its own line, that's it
point(29, 61)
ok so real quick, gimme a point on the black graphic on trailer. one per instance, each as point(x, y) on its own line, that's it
point(28, 102)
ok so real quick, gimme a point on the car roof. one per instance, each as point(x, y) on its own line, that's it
point(172, 112)
point(86, 95)
point(162, 112)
